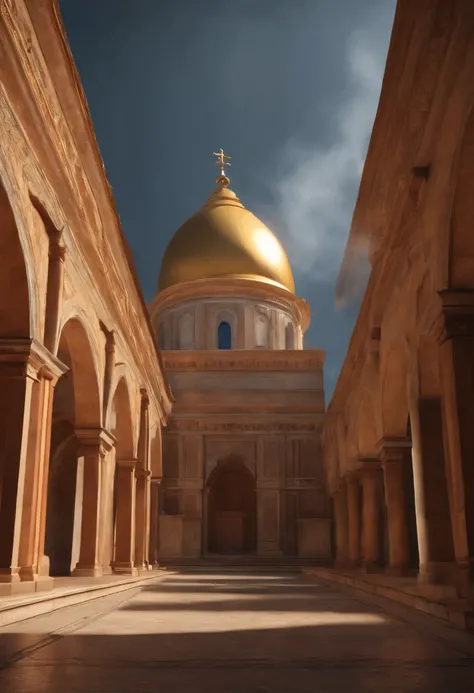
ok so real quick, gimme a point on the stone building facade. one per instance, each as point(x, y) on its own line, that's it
point(242, 464)
point(83, 396)
point(399, 434)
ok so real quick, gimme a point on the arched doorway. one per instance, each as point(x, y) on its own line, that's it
point(232, 509)
point(76, 406)
point(124, 481)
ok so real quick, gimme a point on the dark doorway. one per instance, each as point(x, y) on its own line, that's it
point(232, 509)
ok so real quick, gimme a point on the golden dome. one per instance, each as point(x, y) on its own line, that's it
point(224, 240)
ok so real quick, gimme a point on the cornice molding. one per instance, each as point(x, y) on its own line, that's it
point(243, 360)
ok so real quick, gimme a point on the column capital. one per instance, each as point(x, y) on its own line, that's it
point(28, 357)
point(457, 314)
point(142, 473)
point(57, 252)
point(393, 449)
point(145, 398)
point(90, 437)
point(352, 477)
point(369, 466)
point(127, 464)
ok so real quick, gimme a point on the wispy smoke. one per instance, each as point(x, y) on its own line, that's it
point(317, 193)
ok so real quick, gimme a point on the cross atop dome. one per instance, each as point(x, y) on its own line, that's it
point(223, 180)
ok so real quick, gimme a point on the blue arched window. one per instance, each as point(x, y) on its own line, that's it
point(224, 336)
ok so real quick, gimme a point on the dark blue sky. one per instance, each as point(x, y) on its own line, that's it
point(288, 88)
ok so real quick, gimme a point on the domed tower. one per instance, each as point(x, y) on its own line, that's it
point(226, 283)
point(242, 465)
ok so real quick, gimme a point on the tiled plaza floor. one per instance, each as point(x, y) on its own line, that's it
point(231, 632)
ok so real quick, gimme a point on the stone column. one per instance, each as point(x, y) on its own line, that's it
point(154, 519)
point(393, 451)
point(142, 519)
point(340, 520)
point(142, 491)
point(33, 563)
point(353, 518)
point(435, 546)
point(371, 516)
point(21, 429)
point(457, 382)
point(125, 519)
point(94, 444)
point(54, 294)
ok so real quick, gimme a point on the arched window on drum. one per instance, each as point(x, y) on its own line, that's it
point(289, 336)
point(224, 335)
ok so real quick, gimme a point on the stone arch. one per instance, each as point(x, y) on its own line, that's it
point(394, 391)
point(121, 420)
point(76, 407)
point(123, 488)
point(16, 286)
point(231, 507)
point(76, 350)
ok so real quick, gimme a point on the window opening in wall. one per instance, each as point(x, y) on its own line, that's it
point(224, 336)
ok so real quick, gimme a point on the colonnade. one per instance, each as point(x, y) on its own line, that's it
point(409, 508)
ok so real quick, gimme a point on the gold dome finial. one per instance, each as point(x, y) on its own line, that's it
point(223, 180)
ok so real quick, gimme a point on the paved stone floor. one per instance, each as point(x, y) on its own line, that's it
point(234, 632)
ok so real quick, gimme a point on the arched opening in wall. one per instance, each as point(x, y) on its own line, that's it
point(232, 508)
point(121, 507)
point(289, 336)
point(14, 294)
point(76, 406)
point(15, 313)
point(224, 335)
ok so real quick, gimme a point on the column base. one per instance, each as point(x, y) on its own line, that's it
point(342, 564)
point(437, 573)
point(9, 575)
point(397, 570)
point(32, 574)
point(87, 571)
point(124, 569)
point(372, 568)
